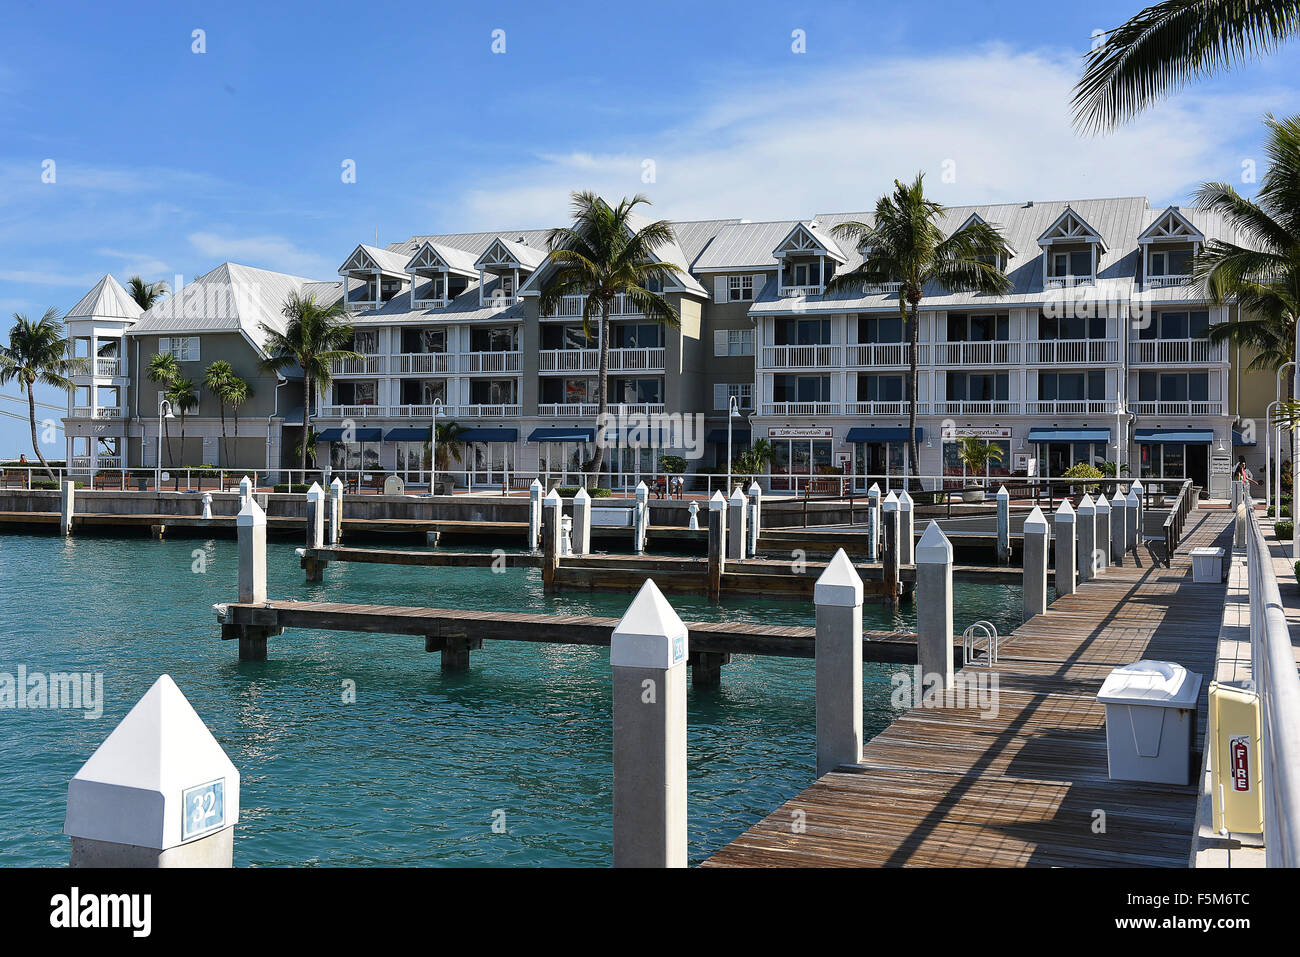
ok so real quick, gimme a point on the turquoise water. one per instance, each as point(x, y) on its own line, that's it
point(417, 770)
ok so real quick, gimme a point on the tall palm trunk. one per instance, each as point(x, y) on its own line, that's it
point(31, 418)
point(225, 445)
point(306, 423)
point(913, 377)
point(234, 414)
point(167, 435)
point(602, 391)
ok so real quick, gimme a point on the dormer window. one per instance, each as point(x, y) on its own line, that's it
point(1072, 251)
point(503, 268)
point(1071, 264)
point(372, 277)
point(1172, 262)
point(808, 257)
point(1169, 247)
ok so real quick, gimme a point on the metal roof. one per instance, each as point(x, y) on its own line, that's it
point(106, 300)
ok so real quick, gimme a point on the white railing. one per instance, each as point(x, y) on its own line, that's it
point(362, 305)
point(496, 301)
point(80, 463)
point(419, 411)
point(1074, 351)
point(97, 412)
point(109, 462)
point(1000, 407)
point(650, 359)
point(567, 408)
point(1159, 282)
point(1213, 407)
point(570, 307)
point(490, 411)
point(491, 362)
point(801, 408)
point(801, 357)
point(636, 408)
point(883, 287)
point(568, 360)
point(1072, 407)
point(353, 411)
point(366, 365)
point(870, 355)
point(1273, 668)
point(1067, 282)
point(435, 363)
point(1161, 351)
point(977, 353)
point(429, 303)
point(884, 408)
point(107, 367)
point(790, 292)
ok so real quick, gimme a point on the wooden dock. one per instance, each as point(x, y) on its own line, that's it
point(949, 787)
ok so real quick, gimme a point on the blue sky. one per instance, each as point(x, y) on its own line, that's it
point(168, 162)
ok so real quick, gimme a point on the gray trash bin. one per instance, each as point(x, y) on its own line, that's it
point(1150, 721)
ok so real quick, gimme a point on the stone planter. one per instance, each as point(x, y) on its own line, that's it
point(972, 494)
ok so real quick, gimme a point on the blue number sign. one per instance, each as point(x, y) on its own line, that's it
point(205, 809)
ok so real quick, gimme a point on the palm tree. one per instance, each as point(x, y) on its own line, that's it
point(603, 255)
point(238, 392)
point(1170, 43)
point(144, 293)
point(904, 244)
point(216, 379)
point(976, 454)
point(38, 353)
point(184, 399)
point(313, 338)
point(451, 447)
point(164, 369)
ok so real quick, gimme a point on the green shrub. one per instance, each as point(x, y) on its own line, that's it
point(1284, 531)
point(47, 484)
point(295, 487)
point(1297, 571)
point(568, 491)
point(1286, 510)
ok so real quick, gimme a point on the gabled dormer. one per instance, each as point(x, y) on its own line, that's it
point(1002, 259)
point(1072, 250)
point(808, 257)
point(503, 266)
point(371, 277)
point(439, 274)
point(1169, 245)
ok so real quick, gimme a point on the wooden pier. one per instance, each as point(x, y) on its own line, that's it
point(1029, 786)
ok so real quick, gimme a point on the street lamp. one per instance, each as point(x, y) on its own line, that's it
point(433, 444)
point(733, 412)
point(164, 412)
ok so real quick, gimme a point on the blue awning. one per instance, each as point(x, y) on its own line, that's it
point(563, 435)
point(1239, 439)
point(488, 435)
point(1175, 436)
point(362, 435)
point(1069, 435)
point(882, 435)
point(719, 436)
point(407, 435)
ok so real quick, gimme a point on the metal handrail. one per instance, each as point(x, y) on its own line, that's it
point(971, 642)
point(1176, 521)
point(1274, 669)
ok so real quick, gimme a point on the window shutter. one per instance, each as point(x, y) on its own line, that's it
point(720, 342)
point(720, 394)
point(719, 288)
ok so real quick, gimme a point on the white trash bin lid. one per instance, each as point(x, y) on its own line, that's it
point(1157, 684)
point(1206, 551)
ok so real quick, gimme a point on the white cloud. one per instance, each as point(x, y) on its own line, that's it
point(48, 277)
point(776, 148)
point(265, 252)
point(135, 263)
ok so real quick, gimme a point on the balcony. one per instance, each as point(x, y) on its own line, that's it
point(366, 365)
point(1182, 408)
point(884, 408)
point(793, 292)
point(801, 357)
point(1161, 282)
point(880, 288)
point(1163, 351)
point(801, 408)
point(999, 407)
point(97, 412)
point(568, 360)
point(636, 360)
point(491, 362)
point(570, 307)
point(419, 411)
point(352, 411)
point(1073, 351)
point(976, 353)
point(1068, 282)
point(107, 368)
point(873, 355)
point(498, 411)
point(1072, 407)
point(82, 463)
point(497, 301)
point(570, 409)
point(424, 363)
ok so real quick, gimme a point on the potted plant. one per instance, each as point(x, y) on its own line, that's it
point(976, 454)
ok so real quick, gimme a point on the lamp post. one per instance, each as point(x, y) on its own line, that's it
point(433, 445)
point(1277, 428)
point(733, 412)
point(164, 411)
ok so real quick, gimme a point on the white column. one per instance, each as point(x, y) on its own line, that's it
point(694, 510)
point(251, 527)
point(315, 516)
point(934, 611)
point(534, 514)
point(1087, 526)
point(1067, 548)
point(582, 522)
point(641, 516)
point(1004, 524)
point(873, 522)
point(1133, 529)
point(336, 510)
point(1118, 527)
point(207, 505)
point(906, 530)
point(1103, 534)
point(756, 515)
point(245, 491)
point(838, 600)
point(1035, 558)
point(68, 504)
point(736, 538)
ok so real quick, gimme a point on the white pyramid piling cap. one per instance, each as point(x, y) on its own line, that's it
point(1118, 499)
point(840, 584)
point(553, 498)
point(133, 789)
point(717, 501)
point(650, 634)
point(1065, 513)
point(905, 501)
point(1134, 495)
point(316, 492)
point(337, 485)
point(1036, 522)
point(642, 492)
point(738, 497)
point(1103, 504)
point(582, 495)
point(1003, 493)
point(251, 513)
point(1136, 485)
point(755, 488)
point(890, 504)
point(875, 489)
point(934, 548)
point(1086, 505)
point(535, 485)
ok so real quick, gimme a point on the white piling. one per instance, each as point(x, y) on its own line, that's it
point(1087, 526)
point(534, 514)
point(566, 535)
point(582, 522)
point(1103, 534)
point(1034, 554)
point(755, 515)
point(1067, 548)
point(251, 527)
point(336, 511)
point(1118, 527)
point(207, 505)
point(245, 491)
point(158, 792)
point(647, 655)
point(1142, 508)
point(934, 611)
point(873, 522)
point(1004, 524)
point(641, 516)
point(694, 523)
point(736, 537)
point(906, 530)
point(838, 650)
point(1133, 518)
point(315, 516)
point(68, 506)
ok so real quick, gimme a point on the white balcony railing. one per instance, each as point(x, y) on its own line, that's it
point(570, 307)
point(97, 412)
point(883, 287)
point(491, 362)
point(109, 462)
point(1067, 282)
point(636, 360)
point(801, 357)
point(1162, 351)
point(107, 367)
point(1160, 282)
point(419, 411)
point(424, 363)
point(352, 411)
point(790, 292)
point(1213, 407)
point(490, 411)
point(884, 408)
point(1000, 407)
point(366, 365)
point(977, 353)
point(583, 409)
point(568, 360)
point(1072, 351)
point(497, 301)
point(1072, 407)
point(801, 408)
point(872, 355)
